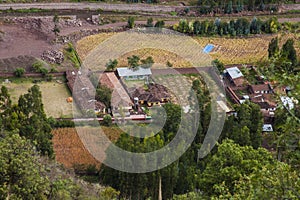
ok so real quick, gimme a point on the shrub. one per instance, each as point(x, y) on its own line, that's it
point(19, 72)
point(107, 121)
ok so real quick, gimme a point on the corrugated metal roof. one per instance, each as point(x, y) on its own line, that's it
point(130, 72)
point(234, 72)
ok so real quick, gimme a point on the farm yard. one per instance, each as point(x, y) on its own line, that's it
point(69, 149)
point(54, 96)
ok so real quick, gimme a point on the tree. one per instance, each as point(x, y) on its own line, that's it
point(148, 62)
point(56, 28)
point(197, 27)
point(183, 26)
point(107, 120)
point(271, 25)
point(273, 181)
point(255, 26)
point(130, 22)
point(5, 101)
point(19, 72)
point(133, 62)
point(159, 24)
point(169, 64)
point(172, 116)
point(288, 51)
point(229, 164)
point(111, 65)
point(229, 8)
point(273, 49)
point(246, 126)
point(103, 94)
point(219, 65)
point(20, 170)
point(33, 122)
point(150, 22)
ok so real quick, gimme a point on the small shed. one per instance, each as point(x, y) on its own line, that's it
point(134, 74)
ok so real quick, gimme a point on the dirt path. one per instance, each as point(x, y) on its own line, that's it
point(92, 6)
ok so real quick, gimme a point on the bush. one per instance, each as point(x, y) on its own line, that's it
point(19, 72)
point(37, 66)
point(107, 120)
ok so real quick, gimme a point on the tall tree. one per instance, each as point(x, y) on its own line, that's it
point(130, 22)
point(20, 170)
point(273, 49)
point(229, 164)
point(288, 51)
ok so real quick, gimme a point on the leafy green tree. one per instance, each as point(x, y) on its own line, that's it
point(107, 120)
point(173, 117)
point(229, 8)
point(160, 24)
point(33, 122)
point(246, 127)
point(21, 174)
point(271, 25)
point(229, 164)
point(183, 26)
point(19, 72)
point(56, 29)
point(133, 62)
point(5, 101)
point(169, 64)
point(103, 94)
point(255, 26)
point(150, 22)
point(219, 65)
point(273, 49)
point(273, 181)
point(130, 22)
point(288, 51)
point(148, 62)
point(197, 27)
point(111, 65)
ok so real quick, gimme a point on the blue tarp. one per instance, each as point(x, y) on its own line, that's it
point(208, 48)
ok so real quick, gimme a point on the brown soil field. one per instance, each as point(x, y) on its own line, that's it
point(69, 149)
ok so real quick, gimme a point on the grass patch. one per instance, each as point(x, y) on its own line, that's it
point(54, 96)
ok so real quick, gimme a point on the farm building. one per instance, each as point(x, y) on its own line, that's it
point(260, 89)
point(134, 74)
point(154, 95)
point(83, 91)
point(120, 97)
point(234, 75)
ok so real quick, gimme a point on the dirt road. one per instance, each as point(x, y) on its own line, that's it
point(92, 6)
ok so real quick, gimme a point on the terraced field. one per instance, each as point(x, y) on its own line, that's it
point(228, 50)
point(69, 149)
